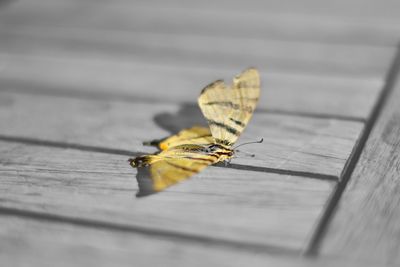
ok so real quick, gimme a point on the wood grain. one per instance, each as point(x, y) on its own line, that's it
point(85, 82)
point(367, 9)
point(256, 21)
point(372, 9)
point(311, 94)
point(219, 203)
point(185, 50)
point(291, 143)
point(26, 242)
point(366, 221)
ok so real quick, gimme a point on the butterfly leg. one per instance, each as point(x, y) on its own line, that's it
point(227, 162)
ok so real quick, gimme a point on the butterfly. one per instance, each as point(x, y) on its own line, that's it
point(227, 109)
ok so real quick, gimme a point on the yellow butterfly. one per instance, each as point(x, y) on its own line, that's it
point(227, 110)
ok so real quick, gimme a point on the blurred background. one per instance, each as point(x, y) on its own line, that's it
point(310, 53)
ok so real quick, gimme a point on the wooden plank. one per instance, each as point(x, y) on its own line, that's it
point(342, 9)
point(366, 220)
point(187, 50)
point(27, 242)
point(298, 93)
point(339, 9)
point(236, 22)
point(301, 144)
point(248, 207)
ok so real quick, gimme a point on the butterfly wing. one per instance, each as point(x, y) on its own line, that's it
point(246, 91)
point(196, 135)
point(228, 110)
point(170, 167)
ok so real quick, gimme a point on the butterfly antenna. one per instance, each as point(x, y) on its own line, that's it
point(247, 143)
point(246, 153)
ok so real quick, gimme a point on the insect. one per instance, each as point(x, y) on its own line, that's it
point(227, 109)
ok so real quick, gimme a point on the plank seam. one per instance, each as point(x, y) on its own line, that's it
point(311, 175)
point(38, 142)
point(102, 96)
point(320, 231)
point(148, 232)
point(208, 34)
point(96, 149)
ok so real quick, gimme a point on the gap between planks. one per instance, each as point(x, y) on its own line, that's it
point(38, 142)
point(120, 97)
point(319, 234)
point(148, 232)
point(84, 119)
point(282, 23)
point(79, 184)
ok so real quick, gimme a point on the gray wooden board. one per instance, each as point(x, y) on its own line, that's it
point(369, 10)
point(366, 223)
point(25, 242)
point(291, 143)
point(227, 21)
point(233, 205)
point(199, 51)
point(355, 9)
point(300, 93)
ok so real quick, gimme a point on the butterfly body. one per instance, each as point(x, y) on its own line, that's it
point(227, 110)
point(211, 153)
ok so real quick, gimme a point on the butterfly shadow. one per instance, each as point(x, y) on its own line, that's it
point(144, 182)
point(188, 116)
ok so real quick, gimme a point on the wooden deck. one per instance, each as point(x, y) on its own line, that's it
point(84, 82)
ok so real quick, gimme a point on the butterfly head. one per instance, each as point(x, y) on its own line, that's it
point(219, 151)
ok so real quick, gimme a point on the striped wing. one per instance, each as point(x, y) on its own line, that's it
point(170, 167)
point(196, 135)
point(229, 109)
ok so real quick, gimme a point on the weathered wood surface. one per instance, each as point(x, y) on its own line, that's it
point(27, 242)
point(354, 21)
point(293, 143)
point(372, 9)
point(234, 205)
point(63, 168)
point(367, 219)
point(183, 63)
point(190, 50)
point(345, 97)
